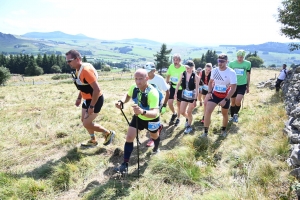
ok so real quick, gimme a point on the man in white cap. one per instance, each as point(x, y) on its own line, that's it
point(162, 85)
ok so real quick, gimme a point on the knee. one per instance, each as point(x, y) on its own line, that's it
point(86, 124)
point(154, 135)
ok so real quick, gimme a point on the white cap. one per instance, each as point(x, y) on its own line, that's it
point(149, 66)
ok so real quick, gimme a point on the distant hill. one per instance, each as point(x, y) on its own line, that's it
point(8, 37)
point(54, 35)
point(138, 40)
point(265, 47)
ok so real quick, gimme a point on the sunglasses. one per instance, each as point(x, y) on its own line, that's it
point(221, 61)
point(70, 60)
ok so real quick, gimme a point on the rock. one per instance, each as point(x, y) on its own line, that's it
point(297, 70)
point(296, 112)
point(296, 124)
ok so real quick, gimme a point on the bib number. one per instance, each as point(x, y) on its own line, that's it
point(174, 79)
point(152, 126)
point(239, 72)
point(187, 94)
point(205, 87)
point(220, 88)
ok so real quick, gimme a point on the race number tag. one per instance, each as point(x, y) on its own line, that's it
point(174, 79)
point(220, 88)
point(205, 87)
point(152, 126)
point(239, 72)
point(84, 102)
point(188, 94)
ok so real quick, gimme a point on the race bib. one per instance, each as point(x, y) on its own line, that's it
point(200, 87)
point(220, 88)
point(205, 87)
point(239, 72)
point(84, 102)
point(174, 79)
point(152, 126)
point(187, 93)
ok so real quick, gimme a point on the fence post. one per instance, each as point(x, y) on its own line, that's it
point(33, 81)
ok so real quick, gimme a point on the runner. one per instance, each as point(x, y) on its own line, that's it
point(281, 77)
point(146, 110)
point(173, 75)
point(189, 81)
point(199, 73)
point(224, 80)
point(205, 77)
point(160, 82)
point(242, 69)
point(85, 80)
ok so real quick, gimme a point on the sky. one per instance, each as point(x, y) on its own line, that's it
point(198, 22)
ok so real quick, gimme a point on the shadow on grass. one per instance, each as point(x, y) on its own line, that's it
point(44, 171)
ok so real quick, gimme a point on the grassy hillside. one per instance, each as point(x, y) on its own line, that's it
point(40, 156)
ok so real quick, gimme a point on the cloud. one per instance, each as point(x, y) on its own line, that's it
point(18, 12)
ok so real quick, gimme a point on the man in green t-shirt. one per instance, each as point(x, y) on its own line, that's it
point(146, 114)
point(173, 75)
point(242, 69)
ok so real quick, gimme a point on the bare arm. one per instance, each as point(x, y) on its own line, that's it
point(168, 79)
point(167, 97)
point(178, 84)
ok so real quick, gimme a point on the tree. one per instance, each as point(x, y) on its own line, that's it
point(255, 61)
point(4, 75)
point(84, 59)
point(32, 69)
point(55, 69)
point(288, 16)
point(162, 58)
point(197, 62)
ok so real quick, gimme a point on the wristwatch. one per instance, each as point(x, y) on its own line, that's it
point(226, 99)
point(144, 112)
point(92, 107)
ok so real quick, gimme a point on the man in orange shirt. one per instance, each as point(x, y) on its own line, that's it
point(85, 80)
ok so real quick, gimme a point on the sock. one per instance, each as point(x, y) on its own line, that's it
point(237, 109)
point(205, 129)
point(223, 128)
point(128, 148)
point(232, 110)
point(92, 136)
point(156, 143)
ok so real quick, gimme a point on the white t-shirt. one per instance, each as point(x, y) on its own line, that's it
point(160, 82)
point(282, 74)
point(222, 80)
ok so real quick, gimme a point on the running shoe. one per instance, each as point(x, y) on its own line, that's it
point(188, 129)
point(154, 152)
point(150, 143)
point(90, 143)
point(204, 135)
point(122, 169)
point(186, 123)
point(177, 122)
point(173, 118)
point(235, 118)
point(223, 134)
point(109, 138)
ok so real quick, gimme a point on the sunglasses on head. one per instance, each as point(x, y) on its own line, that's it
point(70, 60)
point(221, 61)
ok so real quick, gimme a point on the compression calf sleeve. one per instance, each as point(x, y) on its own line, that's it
point(232, 110)
point(156, 143)
point(128, 148)
point(237, 109)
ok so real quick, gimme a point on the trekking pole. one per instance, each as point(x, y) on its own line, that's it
point(122, 106)
point(137, 145)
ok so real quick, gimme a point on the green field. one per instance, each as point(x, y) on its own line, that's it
point(40, 157)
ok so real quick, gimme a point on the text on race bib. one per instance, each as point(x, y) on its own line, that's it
point(205, 87)
point(174, 79)
point(188, 94)
point(152, 126)
point(220, 88)
point(239, 72)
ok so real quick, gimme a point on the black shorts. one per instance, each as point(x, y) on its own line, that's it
point(143, 124)
point(240, 89)
point(217, 100)
point(204, 92)
point(172, 92)
point(86, 104)
point(189, 101)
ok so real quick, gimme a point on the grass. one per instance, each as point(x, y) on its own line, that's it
point(40, 158)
